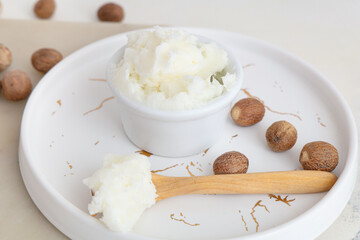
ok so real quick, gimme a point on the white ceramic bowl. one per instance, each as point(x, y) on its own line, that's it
point(175, 133)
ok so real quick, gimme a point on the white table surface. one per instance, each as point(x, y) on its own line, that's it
point(325, 33)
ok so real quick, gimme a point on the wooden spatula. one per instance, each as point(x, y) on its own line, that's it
point(302, 181)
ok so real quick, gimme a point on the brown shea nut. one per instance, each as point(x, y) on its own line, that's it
point(44, 8)
point(45, 58)
point(281, 136)
point(231, 163)
point(16, 85)
point(247, 112)
point(320, 156)
point(5, 57)
point(111, 12)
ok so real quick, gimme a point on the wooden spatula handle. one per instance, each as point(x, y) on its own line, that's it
point(269, 182)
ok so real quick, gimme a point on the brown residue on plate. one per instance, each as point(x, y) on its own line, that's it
point(267, 107)
point(183, 220)
point(59, 103)
point(248, 65)
point(279, 199)
point(161, 170)
point(196, 165)
point(282, 113)
point(143, 152)
point(96, 143)
point(70, 166)
point(199, 167)
point(319, 120)
point(187, 168)
point(232, 137)
point(98, 79)
point(253, 211)
point(242, 218)
point(205, 152)
point(100, 106)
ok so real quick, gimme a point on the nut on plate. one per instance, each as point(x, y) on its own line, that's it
point(231, 163)
point(16, 85)
point(320, 156)
point(281, 136)
point(44, 8)
point(5, 57)
point(45, 58)
point(111, 12)
point(247, 112)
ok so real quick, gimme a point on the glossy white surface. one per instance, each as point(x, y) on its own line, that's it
point(69, 135)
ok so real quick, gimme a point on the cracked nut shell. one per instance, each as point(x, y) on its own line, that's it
point(247, 112)
point(231, 163)
point(281, 136)
point(45, 58)
point(44, 8)
point(320, 156)
point(5, 57)
point(111, 12)
point(16, 85)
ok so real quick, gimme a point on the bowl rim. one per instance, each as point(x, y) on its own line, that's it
point(210, 107)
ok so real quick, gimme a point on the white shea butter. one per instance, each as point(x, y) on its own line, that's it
point(169, 69)
point(122, 190)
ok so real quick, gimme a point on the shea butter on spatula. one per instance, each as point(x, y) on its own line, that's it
point(125, 187)
point(122, 190)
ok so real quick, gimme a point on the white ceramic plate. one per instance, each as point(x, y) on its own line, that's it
point(63, 143)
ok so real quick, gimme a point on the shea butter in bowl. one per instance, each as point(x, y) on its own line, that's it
point(174, 90)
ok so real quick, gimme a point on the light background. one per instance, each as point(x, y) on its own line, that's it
point(324, 33)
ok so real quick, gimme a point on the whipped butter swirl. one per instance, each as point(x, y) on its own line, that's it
point(170, 69)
